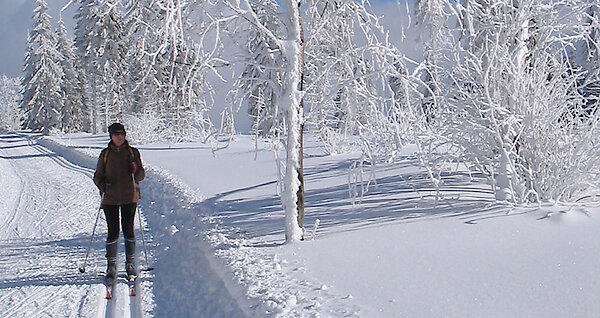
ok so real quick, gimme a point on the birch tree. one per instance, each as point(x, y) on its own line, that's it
point(333, 81)
point(287, 43)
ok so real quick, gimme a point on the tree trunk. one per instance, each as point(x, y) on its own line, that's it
point(292, 102)
point(300, 193)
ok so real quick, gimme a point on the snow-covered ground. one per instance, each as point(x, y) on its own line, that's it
point(214, 234)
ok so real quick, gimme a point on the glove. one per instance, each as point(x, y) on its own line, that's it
point(133, 167)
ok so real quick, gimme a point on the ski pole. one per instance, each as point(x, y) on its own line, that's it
point(148, 268)
point(82, 269)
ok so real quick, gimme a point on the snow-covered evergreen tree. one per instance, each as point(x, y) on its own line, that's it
point(28, 71)
point(109, 61)
point(83, 36)
point(11, 115)
point(75, 111)
point(44, 83)
point(102, 52)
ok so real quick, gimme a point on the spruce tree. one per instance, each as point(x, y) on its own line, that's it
point(45, 81)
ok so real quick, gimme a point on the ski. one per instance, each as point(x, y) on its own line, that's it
point(108, 292)
point(131, 281)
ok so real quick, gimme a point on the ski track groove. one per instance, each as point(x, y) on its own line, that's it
point(13, 310)
point(52, 187)
point(21, 192)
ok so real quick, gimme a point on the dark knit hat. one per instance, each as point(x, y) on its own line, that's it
point(116, 128)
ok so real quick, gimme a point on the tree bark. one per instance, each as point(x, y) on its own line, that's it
point(300, 202)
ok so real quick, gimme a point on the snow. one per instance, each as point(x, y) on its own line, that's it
point(215, 235)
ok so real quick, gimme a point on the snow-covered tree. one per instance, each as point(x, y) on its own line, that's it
point(43, 84)
point(335, 97)
point(11, 115)
point(317, 68)
point(102, 51)
point(591, 48)
point(143, 21)
point(187, 50)
point(432, 16)
point(359, 91)
point(28, 71)
point(83, 34)
point(262, 74)
point(109, 53)
point(288, 43)
point(75, 110)
point(140, 24)
point(511, 107)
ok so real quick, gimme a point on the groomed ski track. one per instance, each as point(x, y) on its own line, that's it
point(47, 211)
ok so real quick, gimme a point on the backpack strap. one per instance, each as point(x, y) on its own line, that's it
point(106, 154)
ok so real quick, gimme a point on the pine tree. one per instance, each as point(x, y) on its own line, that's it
point(11, 115)
point(44, 82)
point(109, 60)
point(88, 76)
point(75, 111)
point(28, 89)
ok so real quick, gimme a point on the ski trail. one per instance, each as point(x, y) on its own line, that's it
point(11, 192)
point(111, 304)
point(135, 302)
point(47, 209)
point(102, 302)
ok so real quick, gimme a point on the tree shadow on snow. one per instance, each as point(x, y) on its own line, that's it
point(391, 197)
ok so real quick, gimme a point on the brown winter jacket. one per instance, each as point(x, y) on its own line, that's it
point(114, 170)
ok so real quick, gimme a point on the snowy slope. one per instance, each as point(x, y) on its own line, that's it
point(214, 230)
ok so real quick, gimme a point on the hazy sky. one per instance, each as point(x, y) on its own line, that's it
point(16, 19)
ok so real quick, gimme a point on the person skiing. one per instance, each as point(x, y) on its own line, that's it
point(117, 176)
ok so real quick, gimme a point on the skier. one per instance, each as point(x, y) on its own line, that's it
point(118, 173)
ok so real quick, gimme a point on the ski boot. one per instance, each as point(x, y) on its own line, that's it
point(111, 273)
point(131, 271)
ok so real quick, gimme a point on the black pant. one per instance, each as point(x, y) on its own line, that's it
point(112, 220)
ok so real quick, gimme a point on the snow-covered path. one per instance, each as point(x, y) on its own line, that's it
point(215, 238)
point(45, 225)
